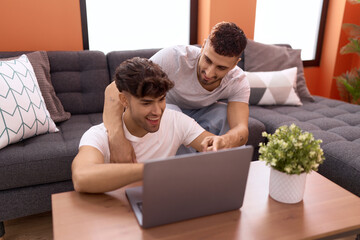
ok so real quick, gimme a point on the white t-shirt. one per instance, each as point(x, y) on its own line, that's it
point(180, 64)
point(175, 129)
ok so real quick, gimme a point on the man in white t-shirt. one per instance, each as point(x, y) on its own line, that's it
point(153, 131)
point(203, 78)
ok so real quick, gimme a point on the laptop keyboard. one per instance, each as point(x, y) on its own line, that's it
point(140, 205)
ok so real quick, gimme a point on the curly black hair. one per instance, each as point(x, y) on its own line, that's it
point(141, 77)
point(228, 39)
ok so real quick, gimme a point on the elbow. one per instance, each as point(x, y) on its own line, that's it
point(79, 181)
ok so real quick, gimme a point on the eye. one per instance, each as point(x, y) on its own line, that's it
point(222, 68)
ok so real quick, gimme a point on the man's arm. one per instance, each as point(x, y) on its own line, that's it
point(90, 173)
point(121, 150)
point(238, 118)
point(207, 141)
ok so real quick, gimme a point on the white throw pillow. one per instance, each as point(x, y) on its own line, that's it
point(273, 88)
point(23, 112)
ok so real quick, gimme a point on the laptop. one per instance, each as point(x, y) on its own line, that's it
point(189, 186)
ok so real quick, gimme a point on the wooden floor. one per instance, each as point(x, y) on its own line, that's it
point(39, 227)
point(35, 227)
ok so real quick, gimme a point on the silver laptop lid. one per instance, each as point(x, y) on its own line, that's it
point(194, 185)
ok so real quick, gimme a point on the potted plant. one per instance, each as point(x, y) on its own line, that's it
point(349, 83)
point(292, 154)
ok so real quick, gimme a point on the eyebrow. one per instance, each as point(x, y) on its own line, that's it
point(146, 100)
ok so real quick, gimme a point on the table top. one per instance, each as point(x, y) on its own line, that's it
point(326, 210)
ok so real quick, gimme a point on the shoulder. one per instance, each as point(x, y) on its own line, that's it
point(97, 130)
point(177, 50)
point(96, 135)
point(175, 118)
point(236, 76)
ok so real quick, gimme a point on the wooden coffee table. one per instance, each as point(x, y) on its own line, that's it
point(327, 211)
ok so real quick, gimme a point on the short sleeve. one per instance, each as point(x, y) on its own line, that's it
point(166, 59)
point(187, 127)
point(240, 87)
point(97, 137)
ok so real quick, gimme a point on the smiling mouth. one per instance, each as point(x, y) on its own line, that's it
point(206, 78)
point(153, 120)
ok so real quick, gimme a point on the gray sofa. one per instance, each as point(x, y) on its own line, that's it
point(33, 169)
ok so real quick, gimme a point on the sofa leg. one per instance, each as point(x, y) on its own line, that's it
point(2, 230)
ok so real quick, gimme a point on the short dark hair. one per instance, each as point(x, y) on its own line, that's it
point(228, 39)
point(141, 77)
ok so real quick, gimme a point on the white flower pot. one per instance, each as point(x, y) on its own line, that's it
point(286, 188)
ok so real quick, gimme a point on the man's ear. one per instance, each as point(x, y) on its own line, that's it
point(203, 45)
point(236, 62)
point(239, 59)
point(123, 99)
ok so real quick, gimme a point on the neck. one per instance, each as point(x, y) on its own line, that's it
point(132, 127)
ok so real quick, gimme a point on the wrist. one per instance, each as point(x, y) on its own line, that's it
point(232, 140)
point(115, 133)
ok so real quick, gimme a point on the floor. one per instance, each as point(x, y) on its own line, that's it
point(39, 227)
point(35, 227)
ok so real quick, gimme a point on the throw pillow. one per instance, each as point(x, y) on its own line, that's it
point(40, 62)
point(266, 57)
point(273, 88)
point(22, 108)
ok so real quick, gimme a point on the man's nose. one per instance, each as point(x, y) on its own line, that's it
point(210, 71)
point(156, 109)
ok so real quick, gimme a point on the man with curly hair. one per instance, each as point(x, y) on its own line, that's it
point(209, 87)
point(154, 132)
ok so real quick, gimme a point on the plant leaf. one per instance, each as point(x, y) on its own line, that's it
point(351, 29)
point(352, 47)
point(350, 83)
point(354, 1)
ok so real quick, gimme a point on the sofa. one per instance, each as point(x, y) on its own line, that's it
point(34, 168)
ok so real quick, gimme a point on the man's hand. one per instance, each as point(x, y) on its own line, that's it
point(213, 143)
point(121, 150)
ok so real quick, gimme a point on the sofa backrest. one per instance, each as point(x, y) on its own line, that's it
point(116, 57)
point(79, 79)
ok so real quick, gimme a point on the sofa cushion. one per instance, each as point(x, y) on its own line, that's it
point(273, 87)
point(22, 106)
point(342, 164)
point(261, 57)
point(40, 62)
point(335, 122)
point(324, 114)
point(79, 79)
point(46, 158)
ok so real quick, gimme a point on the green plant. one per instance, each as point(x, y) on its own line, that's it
point(291, 150)
point(349, 83)
point(349, 86)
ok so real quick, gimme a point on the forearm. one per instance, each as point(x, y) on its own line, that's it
point(236, 136)
point(113, 111)
point(121, 150)
point(238, 117)
point(99, 178)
